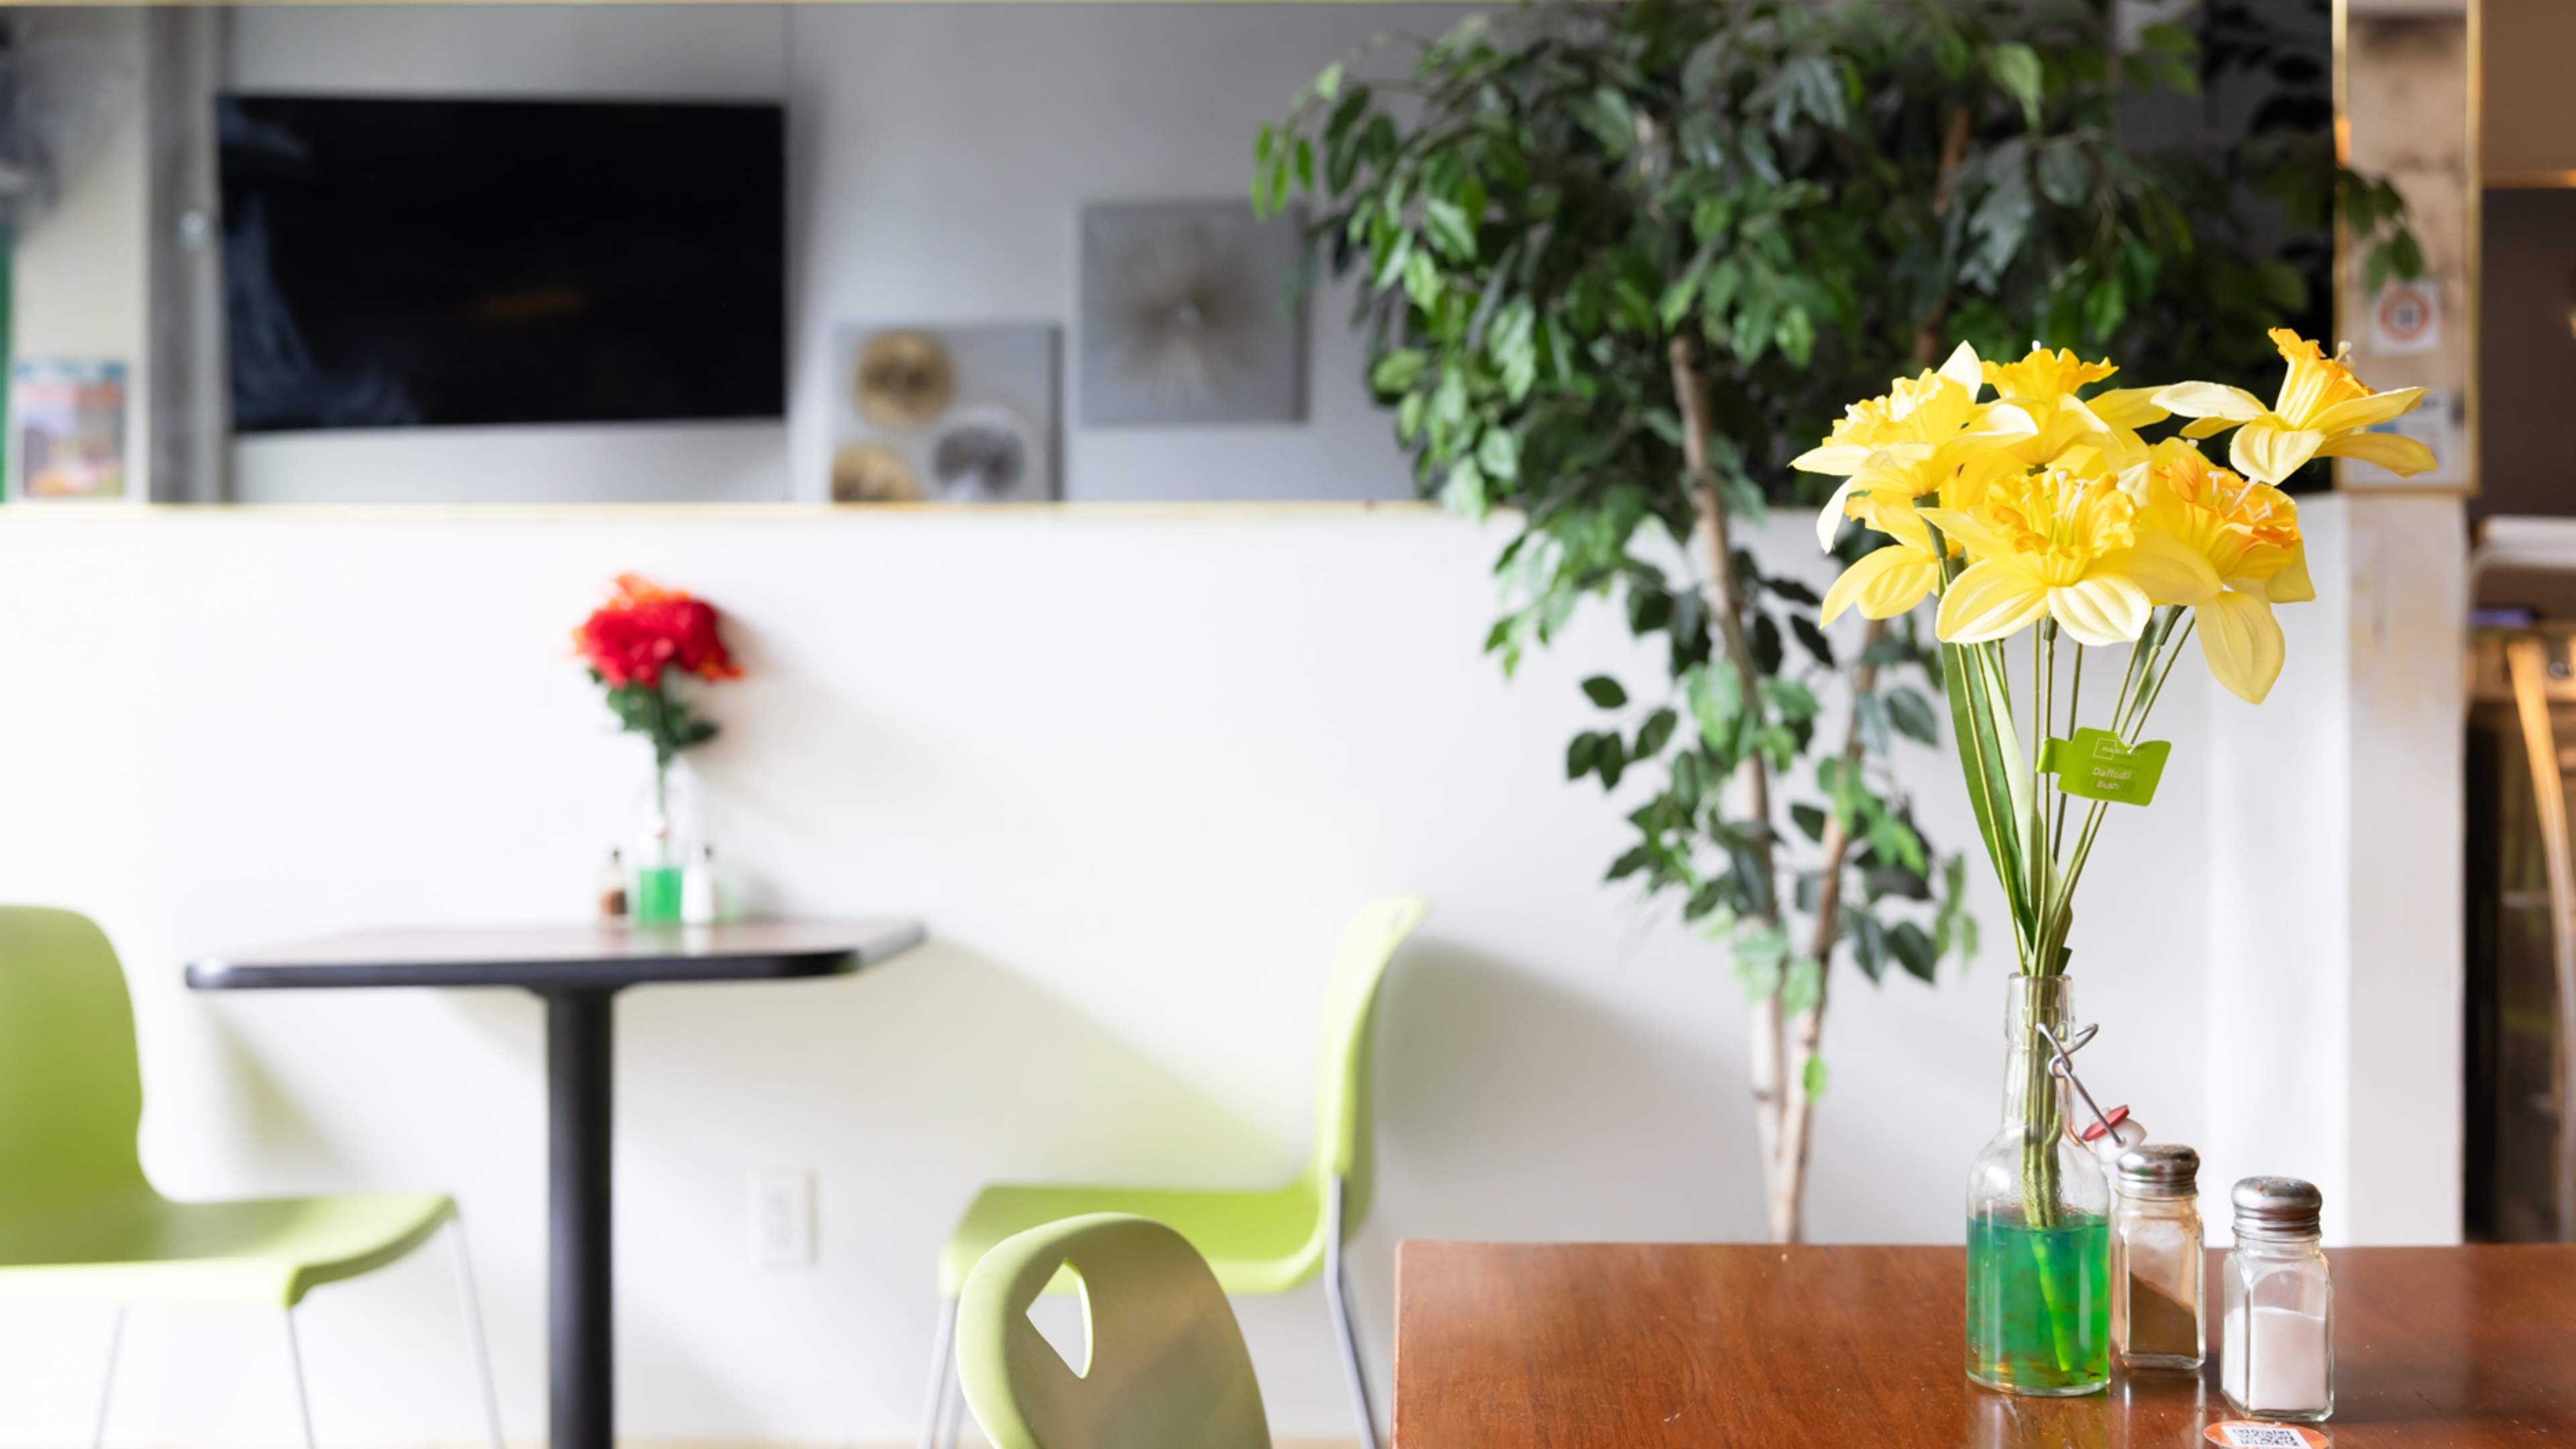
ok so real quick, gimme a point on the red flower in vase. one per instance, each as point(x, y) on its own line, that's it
point(645, 629)
point(637, 637)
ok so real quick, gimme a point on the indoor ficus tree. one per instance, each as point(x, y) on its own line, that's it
point(1620, 263)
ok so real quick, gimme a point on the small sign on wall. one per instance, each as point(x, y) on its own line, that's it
point(2406, 320)
point(66, 429)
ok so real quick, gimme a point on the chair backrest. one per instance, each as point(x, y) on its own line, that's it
point(71, 1093)
point(1345, 1128)
point(1164, 1366)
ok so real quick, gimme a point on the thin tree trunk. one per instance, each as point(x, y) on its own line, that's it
point(1789, 1177)
point(1690, 395)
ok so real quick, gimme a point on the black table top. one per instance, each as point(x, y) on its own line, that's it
point(564, 957)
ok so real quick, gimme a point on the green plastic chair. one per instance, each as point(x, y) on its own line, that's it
point(79, 1222)
point(1254, 1242)
point(1163, 1364)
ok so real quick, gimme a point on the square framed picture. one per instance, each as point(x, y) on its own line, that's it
point(944, 413)
point(1189, 314)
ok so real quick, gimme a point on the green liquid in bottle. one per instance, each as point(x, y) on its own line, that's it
point(657, 895)
point(2039, 1306)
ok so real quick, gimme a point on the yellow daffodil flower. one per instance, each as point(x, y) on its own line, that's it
point(2063, 545)
point(2073, 432)
point(2248, 534)
point(1911, 441)
point(1884, 583)
point(2323, 411)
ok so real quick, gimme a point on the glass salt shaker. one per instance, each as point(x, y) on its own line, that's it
point(2156, 1267)
point(2276, 1347)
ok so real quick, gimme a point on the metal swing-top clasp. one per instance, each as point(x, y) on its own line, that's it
point(2112, 1132)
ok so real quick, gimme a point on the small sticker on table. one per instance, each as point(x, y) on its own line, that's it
point(2242, 1434)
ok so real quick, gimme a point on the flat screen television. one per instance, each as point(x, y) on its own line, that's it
point(420, 263)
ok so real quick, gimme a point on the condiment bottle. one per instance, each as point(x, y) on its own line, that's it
point(2276, 1345)
point(699, 902)
point(612, 889)
point(2156, 1267)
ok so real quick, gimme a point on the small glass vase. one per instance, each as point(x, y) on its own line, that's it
point(2039, 1231)
point(660, 851)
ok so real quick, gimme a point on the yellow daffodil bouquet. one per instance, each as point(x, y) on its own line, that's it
point(2025, 506)
point(2021, 504)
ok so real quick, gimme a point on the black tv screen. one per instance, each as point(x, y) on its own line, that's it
point(406, 263)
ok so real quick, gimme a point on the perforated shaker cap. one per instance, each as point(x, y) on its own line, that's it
point(2277, 1207)
point(2159, 1169)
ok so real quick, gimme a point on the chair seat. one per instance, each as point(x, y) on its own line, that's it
point(144, 1248)
point(1257, 1242)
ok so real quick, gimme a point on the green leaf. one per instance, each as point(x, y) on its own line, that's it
point(1399, 370)
point(1328, 81)
point(1810, 821)
point(2173, 40)
point(1716, 698)
point(1450, 228)
point(1604, 691)
point(1912, 715)
point(1813, 1082)
point(2016, 68)
point(1759, 956)
point(1610, 760)
point(1655, 733)
point(1793, 701)
point(1812, 639)
point(1802, 984)
point(1499, 454)
point(1463, 493)
point(1579, 753)
point(2065, 173)
point(1637, 858)
point(1913, 950)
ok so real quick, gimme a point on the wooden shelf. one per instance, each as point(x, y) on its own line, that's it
point(2531, 181)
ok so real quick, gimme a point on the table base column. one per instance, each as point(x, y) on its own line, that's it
point(580, 1055)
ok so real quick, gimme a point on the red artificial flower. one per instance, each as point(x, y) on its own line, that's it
point(645, 629)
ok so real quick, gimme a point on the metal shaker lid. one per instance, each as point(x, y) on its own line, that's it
point(2276, 1207)
point(2159, 1169)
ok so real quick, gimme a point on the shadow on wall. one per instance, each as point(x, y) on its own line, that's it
point(1513, 1108)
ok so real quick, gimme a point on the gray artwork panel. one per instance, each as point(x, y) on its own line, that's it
point(1186, 315)
point(955, 413)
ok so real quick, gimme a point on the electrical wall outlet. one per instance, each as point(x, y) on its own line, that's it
point(782, 1217)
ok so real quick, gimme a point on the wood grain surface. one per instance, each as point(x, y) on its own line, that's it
point(1626, 1346)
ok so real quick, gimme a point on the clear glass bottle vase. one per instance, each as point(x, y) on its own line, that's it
point(2039, 1234)
point(660, 848)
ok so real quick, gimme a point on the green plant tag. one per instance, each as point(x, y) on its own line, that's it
point(2097, 766)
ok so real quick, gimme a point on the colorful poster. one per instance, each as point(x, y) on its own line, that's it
point(67, 428)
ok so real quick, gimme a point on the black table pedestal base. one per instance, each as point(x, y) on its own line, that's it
point(580, 1055)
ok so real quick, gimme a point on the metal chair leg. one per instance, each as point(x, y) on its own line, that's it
point(107, 1380)
point(1337, 1299)
point(295, 1363)
point(953, 1422)
point(477, 1347)
point(943, 1365)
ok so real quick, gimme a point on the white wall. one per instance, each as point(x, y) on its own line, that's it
point(939, 157)
point(1132, 771)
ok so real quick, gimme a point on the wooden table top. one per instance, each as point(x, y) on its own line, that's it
point(564, 957)
point(1626, 1346)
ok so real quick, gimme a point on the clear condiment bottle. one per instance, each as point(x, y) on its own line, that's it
point(700, 901)
point(612, 889)
point(2276, 1344)
point(2157, 1317)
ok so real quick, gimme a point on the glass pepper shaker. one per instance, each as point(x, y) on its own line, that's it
point(2276, 1349)
point(2156, 1269)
